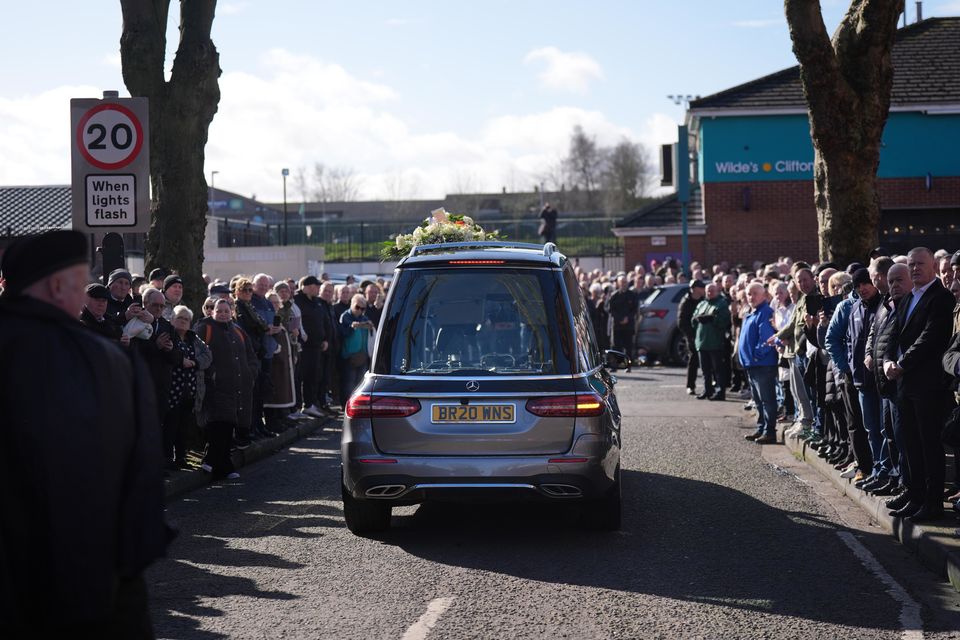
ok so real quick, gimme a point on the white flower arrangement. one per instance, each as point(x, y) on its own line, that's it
point(439, 228)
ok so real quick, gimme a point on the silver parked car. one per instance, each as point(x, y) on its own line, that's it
point(657, 331)
point(486, 383)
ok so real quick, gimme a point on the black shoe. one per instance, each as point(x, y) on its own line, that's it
point(927, 513)
point(719, 396)
point(703, 396)
point(182, 464)
point(887, 489)
point(735, 389)
point(897, 503)
point(838, 457)
point(907, 510)
point(243, 444)
point(875, 484)
point(753, 437)
point(691, 391)
point(766, 440)
point(627, 370)
point(860, 484)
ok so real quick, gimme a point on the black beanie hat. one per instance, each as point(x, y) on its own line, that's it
point(31, 259)
point(170, 281)
point(861, 276)
point(158, 274)
point(116, 274)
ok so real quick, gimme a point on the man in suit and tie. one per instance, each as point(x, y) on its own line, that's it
point(913, 359)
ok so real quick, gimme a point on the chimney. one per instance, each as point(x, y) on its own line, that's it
point(919, 10)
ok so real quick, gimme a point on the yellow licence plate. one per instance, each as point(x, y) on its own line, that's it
point(459, 413)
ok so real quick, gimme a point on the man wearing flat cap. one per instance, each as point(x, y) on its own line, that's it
point(81, 511)
point(94, 314)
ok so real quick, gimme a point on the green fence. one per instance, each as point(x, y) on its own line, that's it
point(362, 241)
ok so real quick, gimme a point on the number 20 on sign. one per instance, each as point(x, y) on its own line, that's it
point(110, 142)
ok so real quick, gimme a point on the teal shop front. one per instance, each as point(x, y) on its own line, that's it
point(778, 147)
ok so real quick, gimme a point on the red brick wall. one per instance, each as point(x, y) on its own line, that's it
point(782, 219)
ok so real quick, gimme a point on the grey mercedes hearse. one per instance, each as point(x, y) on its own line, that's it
point(486, 383)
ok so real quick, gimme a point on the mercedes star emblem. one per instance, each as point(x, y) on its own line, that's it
point(473, 385)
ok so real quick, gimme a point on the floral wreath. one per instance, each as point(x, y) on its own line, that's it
point(440, 227)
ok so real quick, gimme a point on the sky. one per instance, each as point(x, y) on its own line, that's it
point(417, 98)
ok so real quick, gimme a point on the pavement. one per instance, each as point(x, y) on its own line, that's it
point(721, 538)
point(180, 482)
point(936, 544)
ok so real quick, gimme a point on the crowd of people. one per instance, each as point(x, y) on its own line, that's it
point(257, 356)
point(860, 360)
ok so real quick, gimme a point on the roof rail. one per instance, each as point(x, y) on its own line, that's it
point(423, 248)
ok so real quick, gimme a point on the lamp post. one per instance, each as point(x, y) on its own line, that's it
point(213, 190)
point(286, 239)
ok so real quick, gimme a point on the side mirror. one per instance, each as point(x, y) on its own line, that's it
point(613, 358)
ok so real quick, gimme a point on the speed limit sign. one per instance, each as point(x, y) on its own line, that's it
point(110, 136)
point(111, 164)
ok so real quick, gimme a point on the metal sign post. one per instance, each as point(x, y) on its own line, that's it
point(110, 152)
point(683, 191)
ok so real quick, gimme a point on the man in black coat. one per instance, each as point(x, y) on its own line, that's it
point(94, 314)
point(623, 306)
point(82, 498)
point(328, 362)
point(118, 283)
point(315, 320)
point(913, 359)
point(685, 323)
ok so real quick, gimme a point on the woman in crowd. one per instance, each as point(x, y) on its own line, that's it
point(282, 393)
point(355, 327)
point(228, 387)
point(782, 316)
point(179, 421)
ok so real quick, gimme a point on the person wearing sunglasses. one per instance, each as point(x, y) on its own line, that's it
point(355, 328)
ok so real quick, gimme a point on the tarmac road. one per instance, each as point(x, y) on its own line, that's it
point(721, 539)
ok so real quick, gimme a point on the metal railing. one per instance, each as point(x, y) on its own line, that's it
point(362, 240)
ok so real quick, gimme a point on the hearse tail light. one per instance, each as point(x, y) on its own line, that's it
point(366, 406)
point(569, 406)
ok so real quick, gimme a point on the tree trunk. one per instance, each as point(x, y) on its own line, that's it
point(847, 83)
point(181, 111)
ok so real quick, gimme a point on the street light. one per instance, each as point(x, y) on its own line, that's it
point(213, 191)
point(286, 239)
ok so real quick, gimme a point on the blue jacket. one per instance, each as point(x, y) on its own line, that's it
point(836, 338)
point(753, 348)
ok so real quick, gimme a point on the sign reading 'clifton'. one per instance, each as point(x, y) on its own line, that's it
point(780, 166)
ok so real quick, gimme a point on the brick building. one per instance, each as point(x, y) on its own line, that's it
point(754, 192)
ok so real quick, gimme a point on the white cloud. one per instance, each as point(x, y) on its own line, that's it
point(112, 60)
point(565, 71)
point(759, 24)
point(232, 8)
point(35, 136)
point(294, 111)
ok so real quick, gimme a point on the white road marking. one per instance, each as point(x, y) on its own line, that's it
point(422, 627)
point(910, 618)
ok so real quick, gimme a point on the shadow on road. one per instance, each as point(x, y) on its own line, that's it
point(218, 524)
point(682, 539)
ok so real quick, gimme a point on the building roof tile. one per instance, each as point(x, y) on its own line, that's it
point(926, 62)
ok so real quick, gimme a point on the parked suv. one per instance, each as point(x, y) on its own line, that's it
point(486, 383)
point(658, 332)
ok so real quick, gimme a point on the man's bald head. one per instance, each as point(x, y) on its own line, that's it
point(898, 280)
